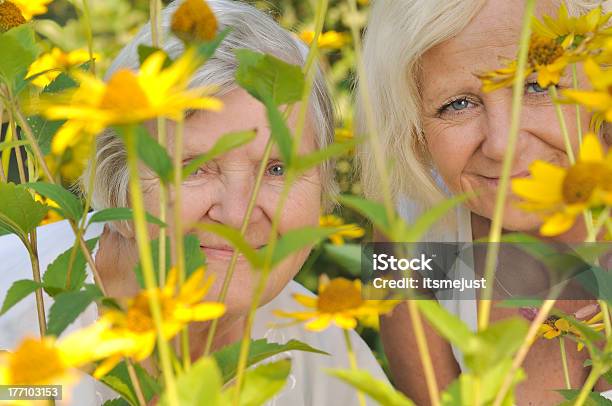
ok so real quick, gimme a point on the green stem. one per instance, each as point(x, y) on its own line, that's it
point(373, 137)
point(144, 250)
point(578, 116)
point(89, 33)
point(18, 156)
point(245, 223)
point(502, 192)
point(163, 206)
point(177, 228)
point(521, 354)
point(155, 10)
point(3, 178)
point(601, 220)
point(423, 348)
point(352, 361)
point(135, 383)
point(587, 388)
point(568, 384)
point(566, 139)
point(40, 305)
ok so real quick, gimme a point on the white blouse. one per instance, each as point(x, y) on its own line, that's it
point(307, 384)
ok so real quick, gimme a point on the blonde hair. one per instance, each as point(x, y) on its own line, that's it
point(250, 29)
point(397, 36)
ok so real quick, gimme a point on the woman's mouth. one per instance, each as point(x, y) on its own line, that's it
point(493, 182)
point(221, 252)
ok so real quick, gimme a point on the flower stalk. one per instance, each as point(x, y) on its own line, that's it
point(353, 362)
point(498, 214)
point(568, 384)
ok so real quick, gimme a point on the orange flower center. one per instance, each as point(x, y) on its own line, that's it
point(123, 92)
point(10, 16)
point(583, 178)
point(339, 295)
point(35, 362)
point(543, 51)
point(194, 21)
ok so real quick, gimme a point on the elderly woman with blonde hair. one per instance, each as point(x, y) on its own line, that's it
point(445, 136)
point(217, 193)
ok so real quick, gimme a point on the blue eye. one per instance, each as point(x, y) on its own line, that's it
point(534, 87)
point(276, 170)
point(459, 104)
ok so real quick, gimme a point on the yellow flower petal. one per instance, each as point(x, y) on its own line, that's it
point(557, 224)
point(591, 150)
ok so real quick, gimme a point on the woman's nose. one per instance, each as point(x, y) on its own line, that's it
point(497, 130)
point(232, 202)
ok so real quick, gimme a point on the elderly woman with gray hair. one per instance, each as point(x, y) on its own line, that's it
point(446, 136)
point(216, 193)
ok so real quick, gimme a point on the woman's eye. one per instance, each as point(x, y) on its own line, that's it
point(456, 106)
point(534, 87)
point(276, 170)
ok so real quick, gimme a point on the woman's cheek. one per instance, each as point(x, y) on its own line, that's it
point(303, 205)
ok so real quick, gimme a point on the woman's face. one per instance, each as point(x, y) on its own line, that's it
point(219, 193)
point(466, 130)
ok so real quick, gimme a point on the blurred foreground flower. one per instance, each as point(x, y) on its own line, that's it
point(327, 40)
point(339, 302)
point(10, 16)
point(560, 194)
point(128, 98)
point(52, 215)
point(135, 328)
point(194, 21)
point(55, 62)
point(348, 231)
point(31, 8)
point(600, 98)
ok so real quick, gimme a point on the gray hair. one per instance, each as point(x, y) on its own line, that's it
point(397, 36)
point(251, 29)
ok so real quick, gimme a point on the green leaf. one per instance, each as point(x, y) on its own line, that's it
point(268, 78)
point(121, 213)
point(19, 50)
point(348, 256)
point(116, 402)
point(499, 341)
point(201, 385)
point(279, 131)
point(144, 51)
point(207, 49)
point(121, 387)
point(449, 326)
point(69, 206)
point(233, 236)
point(120, 373)
point(380, 391)
point(305, 162)
point(374, 211)
point(296, 239)
point(19, 212)
point(260, 384)
point(194, 257)
point(224, 144)
point(68, 306)
point(17, 292)
point(55, 277)
point(150, 152)
point(259, 350)
point(13, 144)
point(594, 398)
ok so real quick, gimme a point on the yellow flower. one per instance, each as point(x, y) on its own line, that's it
point(340, 303)
point(554, 327)
point(559, 194)
point(343, 134)
point(46, 361)
point(600, 98)
point(580, 28)
point(72, 161)
point(55, 62)
point(127, 98)
point(194, 21)
point(546, 57)
point(52, 215)
point(595, 323)
point(348, 231)
point(133, 331)
point(327, 40)
point(31, 8)
point(10, 16)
